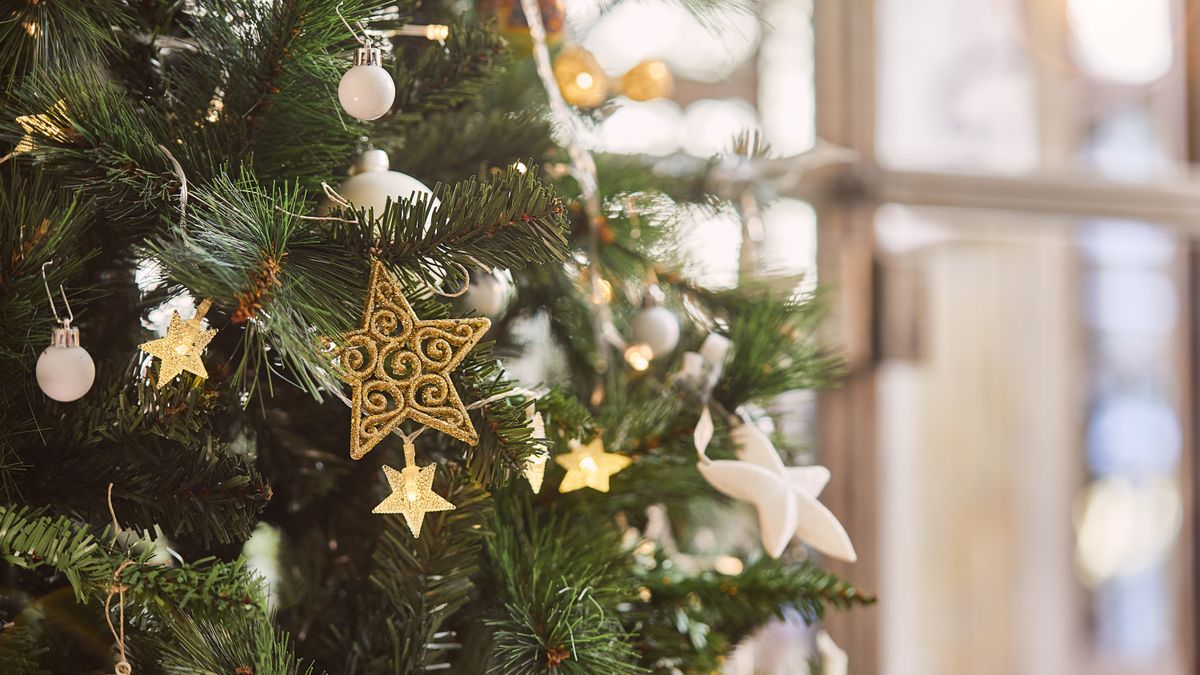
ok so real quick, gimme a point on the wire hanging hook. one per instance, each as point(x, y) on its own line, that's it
point(66, 323)
point(363, 38)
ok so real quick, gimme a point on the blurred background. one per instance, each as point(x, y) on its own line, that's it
point(1011, 256)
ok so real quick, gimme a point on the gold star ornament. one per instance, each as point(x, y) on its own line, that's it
point(180, 349)
point(412, 492)
point(398, 368)
point(43, 125)
point(589, 466)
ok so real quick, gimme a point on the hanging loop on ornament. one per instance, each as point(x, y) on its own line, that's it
point(66, 323)
point(116, 588)
point(122, 666)
point(360, 34)
point(466, 284)
point(410, 452)
point(335, 197)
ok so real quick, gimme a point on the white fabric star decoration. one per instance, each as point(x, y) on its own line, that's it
point(785, 496)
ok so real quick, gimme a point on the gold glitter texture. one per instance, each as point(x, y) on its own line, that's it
point(398, 368)
point(41, 124)
point(180, 349)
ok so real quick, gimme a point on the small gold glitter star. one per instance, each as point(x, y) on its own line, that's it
point(41, 124)
point(180, 349)
point(412, 495)
point(398, 367)
point(589, 466)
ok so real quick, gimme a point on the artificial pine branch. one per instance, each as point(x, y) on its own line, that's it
point(431, 78)
point(19, 651)
point(775, 350)
point(62, 35)
point(505, 440)
point(61, 546)
point(250, 94)
point(426, 581)
point(154, 446)
point(250, 248)
point(510, 221)
point(239, 644)
point(559, 587)
point(485, 140)
point(698, 618)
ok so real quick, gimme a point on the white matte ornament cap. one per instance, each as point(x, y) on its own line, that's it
point(65, 371)
point(367, 91)
point(371, 160)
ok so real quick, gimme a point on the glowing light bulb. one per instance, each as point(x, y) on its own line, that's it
point(215, 106)
point(638, 356)
point(589, 465)
point(604, 292)
point(584, 80)
point(437, 32)
point(728, 564)
point(412, 495)
point(520, 167)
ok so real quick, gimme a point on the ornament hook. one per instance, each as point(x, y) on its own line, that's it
point(66, 323)
point(363, 38)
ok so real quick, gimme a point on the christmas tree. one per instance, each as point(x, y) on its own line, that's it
point(264, 417)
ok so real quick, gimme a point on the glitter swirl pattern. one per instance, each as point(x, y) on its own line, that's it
point(398, 367)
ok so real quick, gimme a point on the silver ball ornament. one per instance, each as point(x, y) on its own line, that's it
point(367, 90)
point(65, 371)
point(656, 327)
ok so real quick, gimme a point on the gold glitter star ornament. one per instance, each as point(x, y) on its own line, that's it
point(43, 125)
point(398, 367)
point(180, 349)
point(412, 493)
point(589, 466)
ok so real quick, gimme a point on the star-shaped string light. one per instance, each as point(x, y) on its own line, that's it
point(180, 349)
point(589, 466)
point(412, 492)
point(398, 367)
point(42, 124)
point(785, 496)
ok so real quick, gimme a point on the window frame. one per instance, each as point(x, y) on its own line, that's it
point(846, 199)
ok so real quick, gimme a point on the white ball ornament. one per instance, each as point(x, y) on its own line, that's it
point(65, 371)
point(489, 292)
point(371, 184)
point(656, 327)
point(367, 90)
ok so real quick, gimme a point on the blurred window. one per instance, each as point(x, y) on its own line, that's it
point(1015, 260)
point(1013, 448)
